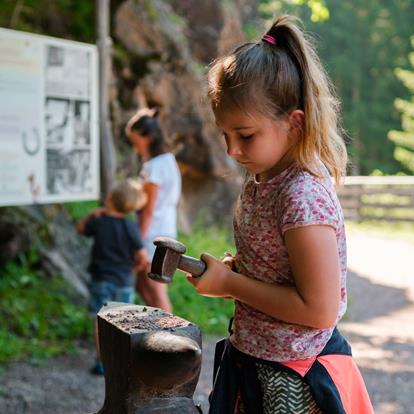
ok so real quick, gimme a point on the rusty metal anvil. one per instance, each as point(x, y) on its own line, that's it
point(168, 257)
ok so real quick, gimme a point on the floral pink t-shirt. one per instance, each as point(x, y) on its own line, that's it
point(264, 212)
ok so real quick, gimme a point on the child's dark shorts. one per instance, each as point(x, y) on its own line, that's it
point(102, 292)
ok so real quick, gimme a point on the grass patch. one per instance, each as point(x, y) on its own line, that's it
point(210, 314)
point(38, 320)
point(79, 209)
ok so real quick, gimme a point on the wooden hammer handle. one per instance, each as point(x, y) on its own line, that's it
point(190, 265)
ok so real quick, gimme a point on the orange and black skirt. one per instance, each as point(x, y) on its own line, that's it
point(330, 383)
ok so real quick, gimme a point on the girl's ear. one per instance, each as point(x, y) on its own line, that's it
point(297, 121)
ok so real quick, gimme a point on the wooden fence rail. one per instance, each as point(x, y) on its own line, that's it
point(378, 198)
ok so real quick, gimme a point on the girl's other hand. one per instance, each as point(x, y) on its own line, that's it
point(229, 260)
point(215, 280)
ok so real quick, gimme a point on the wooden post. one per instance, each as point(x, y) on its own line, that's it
point(107, 149)
point(151, 358)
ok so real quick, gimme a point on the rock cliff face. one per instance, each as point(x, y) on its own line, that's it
point(166, 49)
point(161, 52)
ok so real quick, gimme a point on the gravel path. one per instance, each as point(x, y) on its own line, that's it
point(379, 325)
point(380, 320)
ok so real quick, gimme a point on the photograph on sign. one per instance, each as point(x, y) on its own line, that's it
point(48, 127)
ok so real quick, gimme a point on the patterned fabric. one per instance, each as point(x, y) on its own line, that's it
point(264, 212)
point(331, 384)
point(285, 393)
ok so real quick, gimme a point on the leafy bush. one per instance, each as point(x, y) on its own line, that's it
point(39, 320)
point(79, 209)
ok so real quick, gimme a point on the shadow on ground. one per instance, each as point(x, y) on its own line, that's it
point(387, 369)
point(383, 342)
point(367, 300)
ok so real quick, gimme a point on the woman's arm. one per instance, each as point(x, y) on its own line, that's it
point(314, 301)
point(152, 191)
point(140, 259)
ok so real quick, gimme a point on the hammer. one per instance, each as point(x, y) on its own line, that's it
point(168, 257)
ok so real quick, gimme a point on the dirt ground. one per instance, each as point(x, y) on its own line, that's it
point(380, 320)
point(379, 324)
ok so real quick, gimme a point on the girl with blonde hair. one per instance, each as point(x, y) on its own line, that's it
point(275, 106)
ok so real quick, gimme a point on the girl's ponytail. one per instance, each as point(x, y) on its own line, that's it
point(317, 100)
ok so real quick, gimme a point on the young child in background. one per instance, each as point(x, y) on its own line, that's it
point(274, 104)
point(117, 249)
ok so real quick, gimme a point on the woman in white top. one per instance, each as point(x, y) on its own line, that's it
point(162, 184)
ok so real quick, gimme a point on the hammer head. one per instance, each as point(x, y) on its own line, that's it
point(166, 259)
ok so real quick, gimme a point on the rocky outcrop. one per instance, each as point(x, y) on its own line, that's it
point(167, 48)
point(160, 57)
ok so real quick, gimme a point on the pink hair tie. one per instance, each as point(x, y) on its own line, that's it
point(269, 39)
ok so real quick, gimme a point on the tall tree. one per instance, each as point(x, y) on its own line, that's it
point(361, 42)
point(61, 18)
point(317, 8)
point(404, 140)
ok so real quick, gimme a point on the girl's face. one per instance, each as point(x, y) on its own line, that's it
point(140, 143)
point(262, 145)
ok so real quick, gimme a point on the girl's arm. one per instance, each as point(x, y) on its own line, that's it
point(314, 301)
point(152, 191)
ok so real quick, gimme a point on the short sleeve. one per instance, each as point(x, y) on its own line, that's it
point(307, 203)
point(134, 235)
point(90, 227)
point(153, 172)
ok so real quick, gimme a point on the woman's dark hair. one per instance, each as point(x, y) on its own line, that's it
point(145, 122)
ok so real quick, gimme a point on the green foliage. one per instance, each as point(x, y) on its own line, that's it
point(210, 314)
point(404, 140)
point(318, 8)
point(251, 31)
point(268, 9)
point(62, 18)
point(360, 44)
point(177, 20)
point(319, 11)
point(79, 209)
point(151, 10)
point(38, 320)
